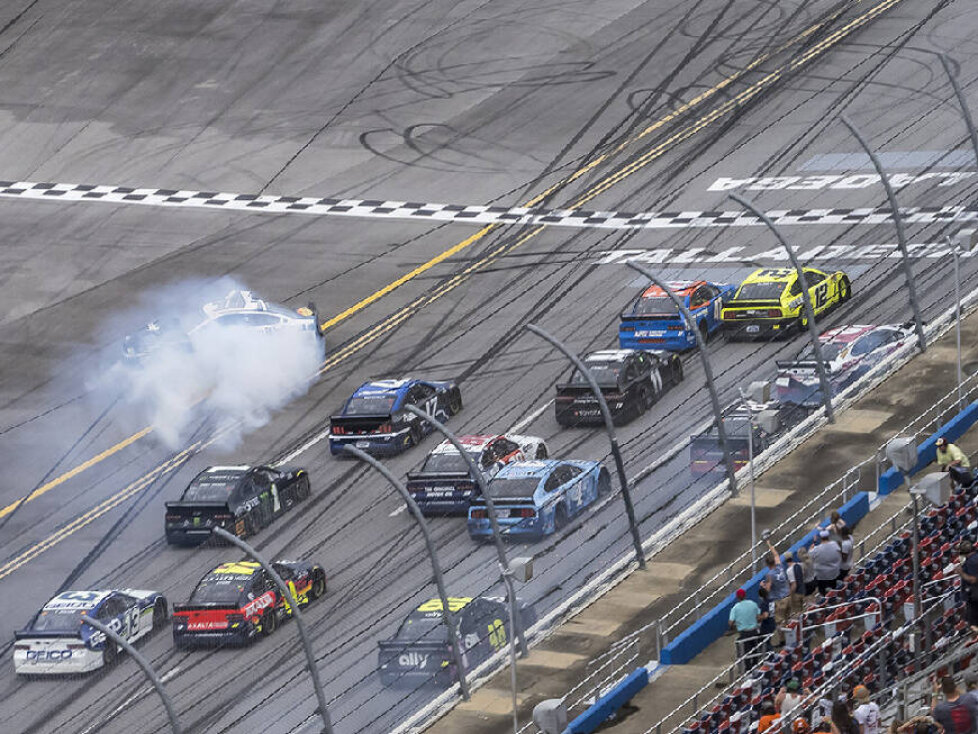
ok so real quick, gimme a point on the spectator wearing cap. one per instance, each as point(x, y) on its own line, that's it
point(951, 459)
point(778, 585)
point(789, 698)
point(867, 713)
point(827, 559)
point(769, 717)
point(744, 621)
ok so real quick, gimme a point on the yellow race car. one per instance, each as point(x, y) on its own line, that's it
point(769, 302)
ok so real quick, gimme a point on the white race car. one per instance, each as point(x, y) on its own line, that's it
point(57, 641)
point(238, 309)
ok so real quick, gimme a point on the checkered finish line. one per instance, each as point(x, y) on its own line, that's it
point(468, 214)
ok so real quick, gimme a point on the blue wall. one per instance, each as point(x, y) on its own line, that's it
point(927, 451)
point(609, 703)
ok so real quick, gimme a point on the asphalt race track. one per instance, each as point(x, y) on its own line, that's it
point(620, 105)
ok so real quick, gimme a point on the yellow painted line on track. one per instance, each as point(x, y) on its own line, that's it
point(652, 154)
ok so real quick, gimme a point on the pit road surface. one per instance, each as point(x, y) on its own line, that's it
point(425, 101)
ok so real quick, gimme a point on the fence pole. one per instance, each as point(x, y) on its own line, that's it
point(480, 480)
point(609, 427)
point(446, 612)
point(296, 614)
point(142, 663)
point(901, 235)
point(707, 369)
point(823, 378)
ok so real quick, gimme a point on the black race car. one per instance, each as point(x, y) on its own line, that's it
point(374, 419)
point(240, 499)
point(421, 653)
point(237, 601)
point(630, 380)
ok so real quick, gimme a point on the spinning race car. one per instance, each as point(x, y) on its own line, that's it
point(58, 641)
point(240, 499)
point(374, 419)
point(420, 652)
point(236, 602)
point(444, 484)
point(538, 498)
point(769, 302)
point(631, 382)
point(654, 322)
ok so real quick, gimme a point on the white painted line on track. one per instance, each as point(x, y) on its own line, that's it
point(303, 448)
point(397, 511)
point(460, 213)
point(524, 422)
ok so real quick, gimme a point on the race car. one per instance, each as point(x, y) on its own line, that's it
point(538, 498)
point(706, 452)
point(58, 641)
point(630, 380)
point(421, 653)
point(240, 499)
point(374, 419)
point(849, 353)
point(444, 485)
point(654, 322)
point(769, 302)
point(239, 309)
point(238, 601)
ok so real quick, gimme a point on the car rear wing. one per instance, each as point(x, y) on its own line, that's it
point(46, 634)
point(205, 509)
point(419, 656)
point(438, 476)
point(177, 608)
point(796, 364)
point(569, 390)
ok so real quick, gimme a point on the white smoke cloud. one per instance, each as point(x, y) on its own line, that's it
point(232, 377)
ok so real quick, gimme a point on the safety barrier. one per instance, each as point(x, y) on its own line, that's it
point(609, 703)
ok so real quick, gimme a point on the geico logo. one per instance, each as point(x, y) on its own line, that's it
point(263, 601)
point(48, 656)
point(207, 625)
point(413, 660)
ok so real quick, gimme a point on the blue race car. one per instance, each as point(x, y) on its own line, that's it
point(654, 322)
point(374, 419)
point(57, 640)
point(537, 498)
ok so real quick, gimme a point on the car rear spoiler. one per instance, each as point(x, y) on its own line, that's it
point(505, 502)
point(419, 476)
point(796, 364)
point(397, 647)
point(360, 420)
point(205, 608)
point(46, 634)
point(582, 389)
point(650, 316)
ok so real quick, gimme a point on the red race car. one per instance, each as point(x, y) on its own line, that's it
point(238, 601)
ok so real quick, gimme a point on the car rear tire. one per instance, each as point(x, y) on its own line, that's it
point(160, 614)
point(415, 435)
point(645, 400)
point(604, 482)
point(454, 402)
point(675, 371)
point(845, 290)
point(318, 587)
point(302, 489)
point(541, 452)
point(269, 623)
point(704, 332)
point(560, 518)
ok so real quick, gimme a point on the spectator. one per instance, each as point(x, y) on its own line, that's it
point(841, 721)
point(827, 559)
point(846, 548)
point(808, 570)
point(779, 587)
point(744, 620)
point(768, 717)
point(789, 699)
point(768, 625)
point(920, 724)
point(836, 523)
point(968, 571)
point(800, 726)
point(971, 686)
point(867, 713)
point(956, 714)
point(796, 576)
point(948, 456)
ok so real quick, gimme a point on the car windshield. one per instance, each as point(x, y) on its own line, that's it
point(211, 488)
point(221, 589)
point(56, 620)
point(829, 352)
point(370, 406)
point(453, 462)
point(655, 306)
point(422, 626)
point(760, 292)
point(516, 488)
point(867, 343)
point(604, 373)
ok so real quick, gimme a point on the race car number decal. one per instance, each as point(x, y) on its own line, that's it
point(821, 294)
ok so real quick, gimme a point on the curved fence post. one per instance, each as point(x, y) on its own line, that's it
point(142, 663)
point(609, 427)
point(446, 612)
point(296, 614)
point(823, 378)
point(707, 369)
point(480, 480)
point(901, 235)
